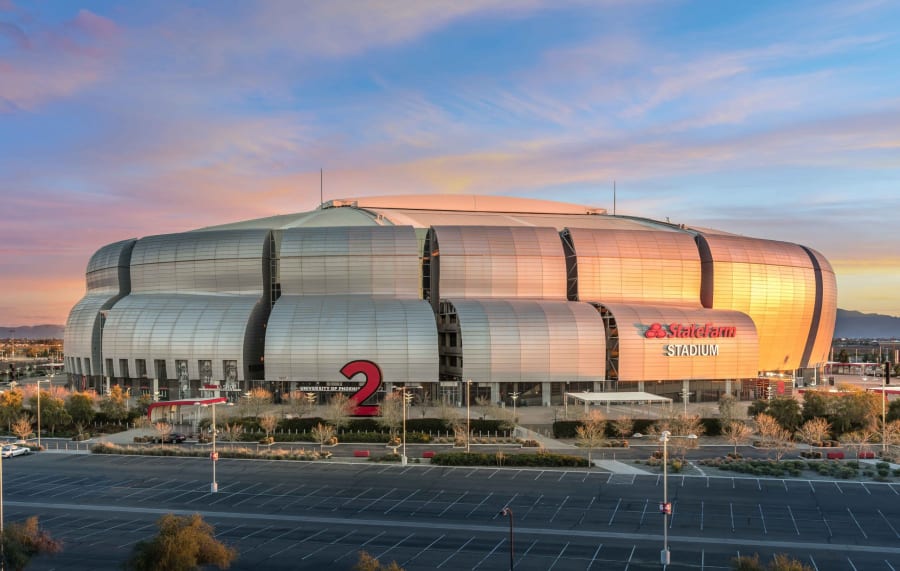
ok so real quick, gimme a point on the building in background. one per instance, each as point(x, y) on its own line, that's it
point(520, 296)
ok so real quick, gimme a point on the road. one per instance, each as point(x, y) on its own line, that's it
point(284, 515)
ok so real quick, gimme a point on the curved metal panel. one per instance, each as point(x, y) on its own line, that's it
point(373, 260)
point(310, 338)
point(107, 281)
point(221, 261)
point(531, 341)
point(499, 262)
point(772, 282)
point(823, 333)
point(669, 343)
point(636, 266)
point(182, 327)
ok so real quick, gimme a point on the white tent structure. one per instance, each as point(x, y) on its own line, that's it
point(639, 398)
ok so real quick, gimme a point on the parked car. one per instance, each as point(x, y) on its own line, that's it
point(173, 438)
point(11, 450)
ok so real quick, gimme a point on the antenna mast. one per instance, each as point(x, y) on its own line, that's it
point(614, 197)
point(321, 185)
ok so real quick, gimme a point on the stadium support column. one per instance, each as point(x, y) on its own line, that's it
point(495, 392)
point(728, 387)
point(545, 394)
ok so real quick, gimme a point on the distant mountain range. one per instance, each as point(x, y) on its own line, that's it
point(856, 325)
point(850, 324)
point(32, 332)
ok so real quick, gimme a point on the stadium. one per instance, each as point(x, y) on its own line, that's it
point(463, 296)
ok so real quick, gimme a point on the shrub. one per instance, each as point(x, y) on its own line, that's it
point(485, 459)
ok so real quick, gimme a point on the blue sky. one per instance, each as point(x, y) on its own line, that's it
point(772, 119)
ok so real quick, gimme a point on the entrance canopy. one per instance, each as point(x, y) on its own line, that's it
point(618, 398)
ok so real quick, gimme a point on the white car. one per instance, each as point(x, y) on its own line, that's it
point(11, 450)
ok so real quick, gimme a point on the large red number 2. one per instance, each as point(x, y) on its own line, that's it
point(373, 381)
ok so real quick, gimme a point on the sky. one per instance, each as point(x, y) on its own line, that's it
point(777, 120)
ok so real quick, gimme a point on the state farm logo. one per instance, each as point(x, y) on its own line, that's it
point(693, 330)
point(656, 331)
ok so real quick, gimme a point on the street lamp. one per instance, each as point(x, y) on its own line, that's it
point(666, 507)
point(311, 400)
point(514, 396)
point(214, 455)
point(403, 406)
point(38, 382)
point(468, 414)
point(507, 511)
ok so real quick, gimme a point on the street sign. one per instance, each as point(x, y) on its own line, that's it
point(214, 456)
point(665, 508)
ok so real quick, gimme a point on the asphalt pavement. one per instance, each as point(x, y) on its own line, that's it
point(313, 515)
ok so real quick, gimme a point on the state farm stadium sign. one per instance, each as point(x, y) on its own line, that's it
point(689, 331)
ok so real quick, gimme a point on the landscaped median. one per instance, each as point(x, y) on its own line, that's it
point(536, 459)
point(230, 452)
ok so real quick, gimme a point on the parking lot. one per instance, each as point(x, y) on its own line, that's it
point(309, 515)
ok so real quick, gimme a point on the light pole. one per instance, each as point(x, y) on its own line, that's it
point(311, 400)
point(214, 455)
point(514, 396)
point(666, 507)
point(883, 410)
point(507, 511)
point(404, 404)
point(38, 383)
point(468, 414)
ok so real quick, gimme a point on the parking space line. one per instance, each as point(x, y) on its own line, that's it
point(375, 501)
point(389, 549)
point(791, 512)
point(888, 563)
point(326, 545)
point(351, 500)
point(555, 561)
point(536, 502)
point(541, 473)
point(613, 516)
point(390, 509)
point(731, 509)
point(493, 474)
point(811, 487)
point(813, 561)
point(449, 557)
point(526, 552)
point(431, 499)
point(425, 549)
point(258, 531)
point(891, 488)
point(561, 476)
point(701, 516)
point(762, 519)
point(643, 512)
point(825, 521)
point(456, 501)
point(473, 471)
point(491, 552)
point(850, 561)
point(559, 508)
point(889, 524)
point(511, 500)
point(838, 487)
point(594, 558)
point(759, 484)
point(849, 511)
point(674, 512)
point(480, 504)
point(430, 468)
point(585, 511)
point(630, 555)
point(866, 488)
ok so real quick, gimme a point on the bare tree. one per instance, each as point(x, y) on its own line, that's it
point(296, 403)
point(685, 425)
point(233, 432)
point(258, 398)
point(727, 409)
point(391, 413)
point(591, 432)
point(772, 435)
point(163, 430)
point(323, 434)
point(338, 411)
point(22, 426)
point(624, 426)
point(737, 432)
point(268, 422)
point(813, 432)
point(858, 440)
point(483, 404)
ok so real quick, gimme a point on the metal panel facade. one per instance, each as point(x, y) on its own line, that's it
point(223, 261)
point(650, 348)
point(107, 280)
point(370, 260)
point(824, 333)
point(310, 338)
point(179, 327)
point(772, 282)
point(500, 262)
point(531, 341)
point(637, 266)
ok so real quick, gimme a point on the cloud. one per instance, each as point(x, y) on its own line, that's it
point(54, 62)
